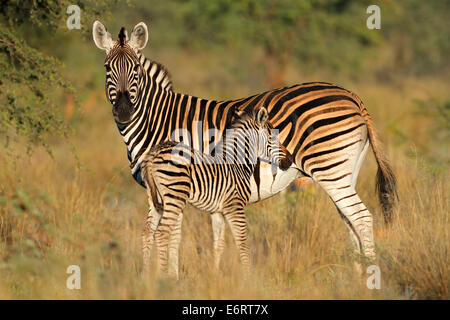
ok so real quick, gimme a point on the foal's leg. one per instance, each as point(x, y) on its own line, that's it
point(148, 235)
point(175, 194)
point(174, 245)
point(168, 236)
point(218, 227)
point(162, 235)
point(235, 216)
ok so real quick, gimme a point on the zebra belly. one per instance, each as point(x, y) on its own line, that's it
point(203, 206)
point(206, 203)
point(270, 185)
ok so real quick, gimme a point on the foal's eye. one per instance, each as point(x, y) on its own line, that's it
point(108, 68)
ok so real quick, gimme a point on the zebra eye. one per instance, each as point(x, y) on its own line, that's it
point(108, 68)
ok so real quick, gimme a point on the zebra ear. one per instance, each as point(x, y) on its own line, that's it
point(139, 36)
point(262, 116)
point(102, 38)
point(237, 113)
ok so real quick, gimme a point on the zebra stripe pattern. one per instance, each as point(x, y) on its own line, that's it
point(175, 174)
point(325, 128)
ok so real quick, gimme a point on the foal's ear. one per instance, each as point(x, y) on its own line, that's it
point(102, 38)
point(139, 36)
point(262, 116)
point(238, 113)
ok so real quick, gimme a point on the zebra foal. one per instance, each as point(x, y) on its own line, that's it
point(175, 174)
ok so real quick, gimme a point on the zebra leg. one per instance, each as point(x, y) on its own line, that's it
point(218, 227)
point(335, 165)
point(357, 167)
point(168, 233)
point(162, 235)
point(174, 245)
point(235, 217)
point(150, 225)
point(359, 162)
point(169, 189)
point(355, 214)
point(168, 237)
point(148, 236)
point(339, 181)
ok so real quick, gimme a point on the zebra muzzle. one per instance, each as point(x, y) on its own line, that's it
point(123, 108)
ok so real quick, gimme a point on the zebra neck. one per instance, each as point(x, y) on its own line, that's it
point(162, 114)
point(155, 73)
point(153, 101)
point(236, 151)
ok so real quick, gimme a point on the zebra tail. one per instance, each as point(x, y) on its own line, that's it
point(151, 184)
point(386, 183)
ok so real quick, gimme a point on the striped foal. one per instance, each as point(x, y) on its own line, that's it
point(175, 174)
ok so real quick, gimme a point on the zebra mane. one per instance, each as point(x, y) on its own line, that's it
point(160, 74)
point(122, 36)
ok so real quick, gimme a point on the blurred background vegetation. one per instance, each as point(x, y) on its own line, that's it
point(54, 200)
point(256, 44)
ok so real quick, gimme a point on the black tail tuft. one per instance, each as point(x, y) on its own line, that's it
point(386, 186)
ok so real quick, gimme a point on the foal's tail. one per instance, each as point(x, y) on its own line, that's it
point(146, 167)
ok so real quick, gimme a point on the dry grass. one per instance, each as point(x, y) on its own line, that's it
point(53, 214)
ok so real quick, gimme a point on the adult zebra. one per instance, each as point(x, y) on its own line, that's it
point(326, 129)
